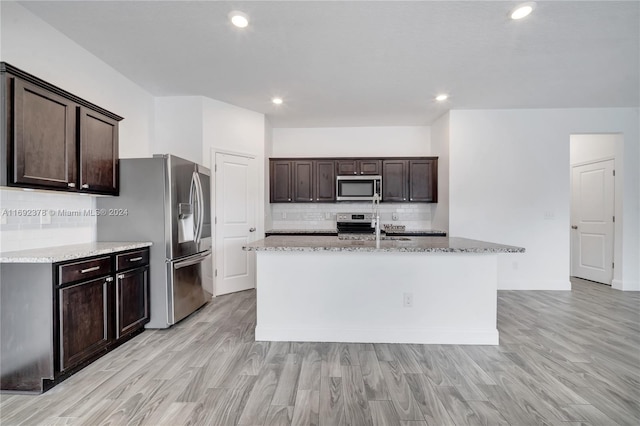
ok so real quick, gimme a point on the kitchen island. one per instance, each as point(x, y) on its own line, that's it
point(425, 290)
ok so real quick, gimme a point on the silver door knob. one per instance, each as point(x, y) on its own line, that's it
point(71, 185)
point(85, 186)
point(252, 229)
point(574, 227)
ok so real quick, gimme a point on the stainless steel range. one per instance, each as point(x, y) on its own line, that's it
point(354, 223)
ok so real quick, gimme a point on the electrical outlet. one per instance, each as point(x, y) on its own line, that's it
point(407, 300)
point(394, 216)
point(549, 216)
point(45, 219)
point(327, 215)
point(284, 215)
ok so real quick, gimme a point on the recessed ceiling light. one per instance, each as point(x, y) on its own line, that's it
point(277, 101)
point(442, 97)
point(239, 19)
point(522, 10)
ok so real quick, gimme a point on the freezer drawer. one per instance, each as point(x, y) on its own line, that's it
point(186, 285)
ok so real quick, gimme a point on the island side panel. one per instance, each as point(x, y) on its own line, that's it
point(26, 318)
point(358, 297)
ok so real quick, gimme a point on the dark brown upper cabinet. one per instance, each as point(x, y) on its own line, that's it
point(44, 152)
point(423, 180)
point(410, 180)
point(325, 175)
point(314, 181)
point(280, 181)
point(98, 152)
point(305, 180)
point(394, 180)
point(358, 167)
point(53, 139)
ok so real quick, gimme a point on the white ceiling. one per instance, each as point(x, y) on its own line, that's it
point(363, 63)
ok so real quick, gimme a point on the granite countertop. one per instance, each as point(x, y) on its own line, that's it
point(397, 244)
point(69, 252)
point(416, 232)
point(302, 231)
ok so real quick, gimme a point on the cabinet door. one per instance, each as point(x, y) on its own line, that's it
point(86, 318)
point(369, 167)
point(132, 300)
point(394, 180)
point(346, 167)
point(423, 181)
point(98, 153)
point(44, 139)
point(303, 181)
point(280, 181)
point(325, 181)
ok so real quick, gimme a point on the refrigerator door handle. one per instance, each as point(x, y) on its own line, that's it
point(194, 200)
point(189, 262)
point(200, 207)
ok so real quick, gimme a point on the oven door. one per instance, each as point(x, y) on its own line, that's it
point(358, 188)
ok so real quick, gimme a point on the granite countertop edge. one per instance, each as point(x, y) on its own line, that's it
point(70, 252)
point(392, 249)
point(413, 245)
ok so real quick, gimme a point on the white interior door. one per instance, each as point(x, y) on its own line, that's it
point(592, 229)
point(234, 223)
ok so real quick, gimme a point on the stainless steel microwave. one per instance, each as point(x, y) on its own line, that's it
point(358, 188)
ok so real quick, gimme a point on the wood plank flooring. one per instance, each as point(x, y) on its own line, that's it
point(565, 358)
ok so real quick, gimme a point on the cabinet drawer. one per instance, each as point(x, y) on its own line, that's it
point(84, 269)
point(132, 259)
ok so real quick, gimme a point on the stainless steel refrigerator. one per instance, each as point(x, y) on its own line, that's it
point(165, 200)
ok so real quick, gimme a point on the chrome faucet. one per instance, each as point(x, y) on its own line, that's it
point(375, 217)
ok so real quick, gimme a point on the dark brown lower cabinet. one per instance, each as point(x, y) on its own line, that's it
point(132, 301)
point(56, 318)
point(86, 318)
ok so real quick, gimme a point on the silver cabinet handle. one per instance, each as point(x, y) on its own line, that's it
point(85, 186)
point(109, 279)
point(135, 259)
point(84, 271)
point(120, 276)
point(355, 173)
point(574, 227)
point(288, 199)
point(71, 185)
point(310, 199)
point(252, 229)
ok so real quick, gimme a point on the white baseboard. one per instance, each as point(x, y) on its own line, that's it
point(534, 285)
point(626, 285)
point(429, 336)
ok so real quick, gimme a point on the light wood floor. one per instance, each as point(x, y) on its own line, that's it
point(565, 358)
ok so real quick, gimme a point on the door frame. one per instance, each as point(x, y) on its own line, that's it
point(572, 248)
point(214, 207)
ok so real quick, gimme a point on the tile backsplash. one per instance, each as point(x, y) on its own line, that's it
point(36, 219)
point(323, 215)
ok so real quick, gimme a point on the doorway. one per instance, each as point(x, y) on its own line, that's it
point(234, 221)
point(593, 207)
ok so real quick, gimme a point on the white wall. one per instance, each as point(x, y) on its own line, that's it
point(179, 127)
point(440, 148)
point(268, 152)
point(352, 142)
point(32, 45)
point(510, 183)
